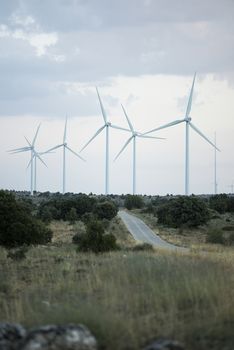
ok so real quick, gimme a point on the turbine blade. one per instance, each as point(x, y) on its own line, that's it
point(76, 154)
point(39, 157)
point(124, 146)
point(128, 120)
point(190, 99)
point(151, 137)
point(165, 126)
point(102, 108)
point(65, 131)
point(28, 142)
point(35, 137)
point(29, 163)
point(19, 149)
point(93, 137)
point(203, 136)
point(119, 128)
point(53, 148)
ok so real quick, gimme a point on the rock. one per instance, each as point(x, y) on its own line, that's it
point(165, 344)
point(51, 337)
point(10, 335)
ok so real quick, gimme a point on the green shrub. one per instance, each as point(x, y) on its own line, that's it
point(219, 202)
point(106, 210)
point(72, 216)
point(215, 236)
point(133, 201)
point(183, 211)
point(17, 226)
point(143, 247)
point(95, 239)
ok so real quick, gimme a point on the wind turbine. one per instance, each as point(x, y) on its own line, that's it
point(187, 120)
point(132, 138)
point(65, 148)
point(106, 126)
point(34, 153)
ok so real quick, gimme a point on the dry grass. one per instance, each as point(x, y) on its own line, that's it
point(125, 298)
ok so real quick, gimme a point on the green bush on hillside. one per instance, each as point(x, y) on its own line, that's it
point(17, 226)
point(133, 201)
point(106, 210)
point(183, 211)
point(95, 239)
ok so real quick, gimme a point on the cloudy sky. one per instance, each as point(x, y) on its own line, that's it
point(141, 53)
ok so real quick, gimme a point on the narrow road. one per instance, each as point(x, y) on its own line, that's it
point(141, 232)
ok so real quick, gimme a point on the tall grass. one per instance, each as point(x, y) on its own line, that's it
point(125, 298)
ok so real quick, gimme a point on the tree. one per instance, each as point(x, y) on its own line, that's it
point(133, 201)
point(219, 202)
point(72, 216)
point(95, 239)
point(17, 226)
point(106, 210)
point(183, 211)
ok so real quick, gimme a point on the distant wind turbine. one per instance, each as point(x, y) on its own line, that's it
point(34, 155)
point(187, 120)
point(135, 134)
point(65, 148)
point(106, 126)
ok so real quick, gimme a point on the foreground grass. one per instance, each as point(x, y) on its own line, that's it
point(125, 298)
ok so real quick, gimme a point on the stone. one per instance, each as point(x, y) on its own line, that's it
point(52, 337)
point(10, 335)
point(165, 344)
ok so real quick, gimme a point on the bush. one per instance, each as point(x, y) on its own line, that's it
point(183, 211)
point(72, 216)
point(143, 247)
point(95, 239)
point(17, 226)
point(215, 236)
point(219, 202)
point(133, 201)
point(106, 210)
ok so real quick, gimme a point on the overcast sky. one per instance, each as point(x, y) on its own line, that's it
point(142, 53)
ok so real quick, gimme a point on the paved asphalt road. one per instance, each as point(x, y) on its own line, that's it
point(141, 232)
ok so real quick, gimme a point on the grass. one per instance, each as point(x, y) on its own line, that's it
point(125, 298)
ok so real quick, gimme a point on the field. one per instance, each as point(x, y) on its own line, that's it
point(126, 298)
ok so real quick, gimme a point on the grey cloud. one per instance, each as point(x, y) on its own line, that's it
point(98, 40)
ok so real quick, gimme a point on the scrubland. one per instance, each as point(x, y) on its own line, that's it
point(126, 298)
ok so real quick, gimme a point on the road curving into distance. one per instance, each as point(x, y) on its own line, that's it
point(141, 232)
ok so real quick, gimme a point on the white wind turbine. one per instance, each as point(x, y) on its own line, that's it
point(34, 155)
point(132, 138)
point(106, 126)
point(65, 148)
point(187, 120)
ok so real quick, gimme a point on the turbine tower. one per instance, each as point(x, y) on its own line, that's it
point(106, 126)
point(215, 167)
point(65, 148)
point(132, 138)
point(34, 153)
point(187, 120)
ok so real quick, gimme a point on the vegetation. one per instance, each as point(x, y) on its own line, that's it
point(17, 225)
point(183, 211)
point(95, 240)
point(133, 201)
point(106, 210)
point(222, 203)
point(125, 298)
